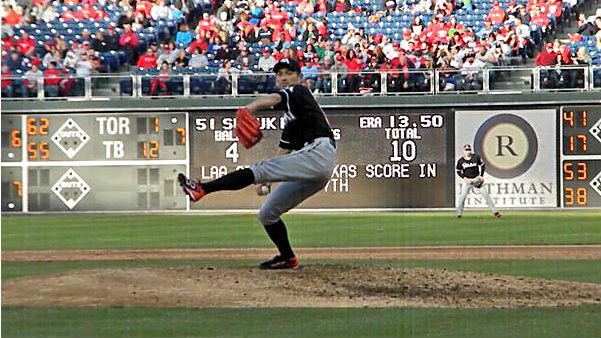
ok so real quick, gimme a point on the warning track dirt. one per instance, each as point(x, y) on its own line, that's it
point(355, 253)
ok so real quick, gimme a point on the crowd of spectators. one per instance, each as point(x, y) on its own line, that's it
point(557, 55)
point(225, 34)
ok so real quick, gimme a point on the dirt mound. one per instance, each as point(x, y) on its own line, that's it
point(312, 286)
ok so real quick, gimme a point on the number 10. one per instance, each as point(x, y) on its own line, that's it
point(405, 151)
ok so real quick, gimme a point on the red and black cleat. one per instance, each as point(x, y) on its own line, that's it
point(191, 188)
point(279, 263)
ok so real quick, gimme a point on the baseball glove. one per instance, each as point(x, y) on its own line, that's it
point(478, 183)
point(247, 128)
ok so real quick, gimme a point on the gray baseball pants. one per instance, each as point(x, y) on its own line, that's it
point(482, 191)
point(303, 173)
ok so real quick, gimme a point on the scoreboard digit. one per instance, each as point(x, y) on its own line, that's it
point(12, 189)
point(580, 156)
point(12, 138)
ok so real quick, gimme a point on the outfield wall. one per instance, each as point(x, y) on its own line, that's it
point(393, 152)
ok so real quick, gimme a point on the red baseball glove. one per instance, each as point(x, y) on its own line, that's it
point(247, 128)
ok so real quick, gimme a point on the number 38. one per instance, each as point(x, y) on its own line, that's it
point(578, 195)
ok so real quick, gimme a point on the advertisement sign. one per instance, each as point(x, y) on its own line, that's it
point(518, 148)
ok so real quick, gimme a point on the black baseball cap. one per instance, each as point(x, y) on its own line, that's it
point(287, 63)
point(467, 147)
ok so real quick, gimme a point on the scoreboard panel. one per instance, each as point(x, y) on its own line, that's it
point(580, 156)
point(581, 183)
point(145, 187)
point(103, 137)
point(387, 158)
point(93, 162)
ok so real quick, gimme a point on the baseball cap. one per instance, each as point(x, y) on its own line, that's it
point(467, 147)
point(288, 64)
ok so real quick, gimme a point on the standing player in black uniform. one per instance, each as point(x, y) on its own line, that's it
point(303, 163)
point(470, 168)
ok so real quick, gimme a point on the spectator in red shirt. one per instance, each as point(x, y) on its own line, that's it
point(161, 80)
point(322, 27)
point(87, 12)
point(143, 7)
point(540, 19)
point(322, 6)
point(546, 57)
point(69, 15)
point(148, 60)
point(354, 64)
point(496, 14)
point(6, 83)
point(205, 24)
point(269, 21)
point(11, 18)
point(199, 43)
point(280, 16)
point(8, 42)
point(564, 51)
point(555, 8)
point(51, 80)
point(129, 43)
point(342, 6)
point(26, 44)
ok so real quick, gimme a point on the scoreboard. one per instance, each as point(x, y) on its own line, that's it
point(580, 130)
point(387, 158)
point(89, 162)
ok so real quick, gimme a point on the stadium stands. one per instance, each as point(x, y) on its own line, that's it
point(232, 41)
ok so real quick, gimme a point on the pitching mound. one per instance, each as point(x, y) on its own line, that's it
point(312, 286)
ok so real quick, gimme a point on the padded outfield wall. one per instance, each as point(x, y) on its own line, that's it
point(541, 150)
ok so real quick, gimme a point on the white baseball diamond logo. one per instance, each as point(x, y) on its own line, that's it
point(71, 188)
point(70, 138)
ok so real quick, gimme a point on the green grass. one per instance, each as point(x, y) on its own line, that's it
point(329, 230)
point(572, 270)
point(396, 322)
point(56, 232)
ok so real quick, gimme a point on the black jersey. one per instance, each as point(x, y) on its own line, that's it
point(471, 168)
point(305, 120)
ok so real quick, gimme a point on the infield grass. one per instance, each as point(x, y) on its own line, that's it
point(57, 232)
point(568, 322)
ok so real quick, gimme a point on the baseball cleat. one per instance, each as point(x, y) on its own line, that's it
point(458, 216)
point(279, 262)
point(497, 214)
point(191, 188)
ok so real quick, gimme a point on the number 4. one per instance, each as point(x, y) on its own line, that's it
point(232, 152)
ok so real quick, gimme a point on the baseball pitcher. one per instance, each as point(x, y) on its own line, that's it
point(470, 168)
point(303, 163)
